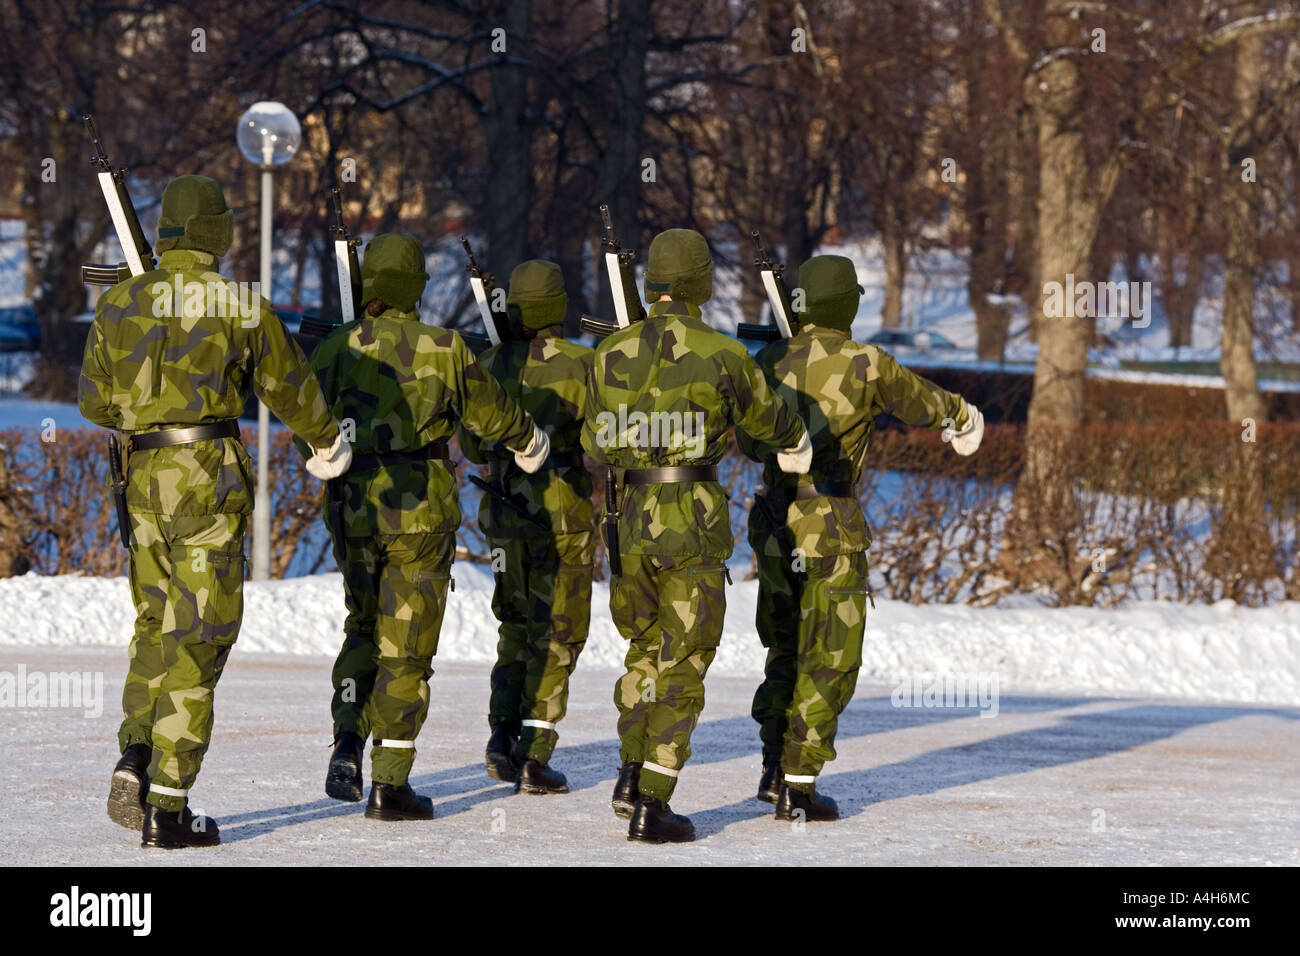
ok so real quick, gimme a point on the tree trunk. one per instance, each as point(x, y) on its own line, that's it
point(1241, 388)
point(509, 150)
point(893, 239)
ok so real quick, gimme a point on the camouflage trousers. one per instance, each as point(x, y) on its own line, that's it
point(395, 588)
point(186, 575)
point(670, 610)
point(811, 623)
point(543, 601)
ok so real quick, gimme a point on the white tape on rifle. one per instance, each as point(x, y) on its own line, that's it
point(115, 210)
point(485, 309)
point(775, 301)
point(616, 286)
point(347, 301)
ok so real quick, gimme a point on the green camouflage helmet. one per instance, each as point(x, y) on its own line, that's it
point(393, 271)
point(679, 265)
point(194, 215)
point(831, 292)
point(537, 299)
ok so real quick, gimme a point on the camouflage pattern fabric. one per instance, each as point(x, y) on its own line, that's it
point(671, 611)
point(669, 601)
point(144, 371)
point(155, 359)
point(811, 553)
point(547, 377)
point(812, 667)
point(674, 363)
point(542, 596)
point(395, 588)
point(401, 385)
point(543, 601)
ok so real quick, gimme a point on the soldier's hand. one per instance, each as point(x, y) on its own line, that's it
point(531, 458)
point(330, 462)
point(965, 442)
point(796, 460)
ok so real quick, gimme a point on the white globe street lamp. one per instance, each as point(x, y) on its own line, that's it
point(268, 135)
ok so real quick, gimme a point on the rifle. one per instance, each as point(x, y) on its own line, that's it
point(618, 263)
point(136, 248)
point(118, 476)
point(500, 494)
point(483, 284)
point(778, 298)
point(345, 262)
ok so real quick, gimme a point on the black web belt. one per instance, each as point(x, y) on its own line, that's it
point(384, 459)
point(166, 437)
point(669, 475)
point(820, 489)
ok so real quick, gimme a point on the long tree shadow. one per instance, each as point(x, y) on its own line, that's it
point(457, 790)
point(1076, 738)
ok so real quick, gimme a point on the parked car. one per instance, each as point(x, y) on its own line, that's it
point(915, 339)
point(19, 330)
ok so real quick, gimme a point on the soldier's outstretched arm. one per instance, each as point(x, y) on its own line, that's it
point(95, 388)
point(763, 415)
point(918, 401)
point(283, 379)
point(485, 409)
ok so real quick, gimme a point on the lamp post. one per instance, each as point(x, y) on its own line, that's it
point(268, 135)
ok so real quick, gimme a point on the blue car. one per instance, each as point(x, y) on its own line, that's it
point(19, 330)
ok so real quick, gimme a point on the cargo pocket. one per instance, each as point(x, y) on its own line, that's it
point(707, 603)
point(430, 602)
point(223, 610)
point(621, 608)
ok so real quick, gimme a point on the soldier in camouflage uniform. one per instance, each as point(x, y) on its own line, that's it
point(809, 535)
point(661, 398)
point(403, 386)
point(540, 530)
point(157, 362)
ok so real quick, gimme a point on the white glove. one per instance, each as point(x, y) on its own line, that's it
point(531, 458)
point(968, 439)
point(330, 462)
point(796, 460)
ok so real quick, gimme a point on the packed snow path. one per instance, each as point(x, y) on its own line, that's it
point(1049, 780)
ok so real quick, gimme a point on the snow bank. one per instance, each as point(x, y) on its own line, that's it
point(1219, 652)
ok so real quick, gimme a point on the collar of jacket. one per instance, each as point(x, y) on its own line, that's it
point(805, 326)
point(186, 260)
point(395, 314)
point(674, 307)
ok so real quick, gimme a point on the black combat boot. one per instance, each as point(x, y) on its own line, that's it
point(814, 807)
point(391, 802)
point(500, 754)
point(769, 784)
point(129, 786)
point(626, 790)
point(536, 777)
point(343, 780)
point(170, 830)
point(653, 821)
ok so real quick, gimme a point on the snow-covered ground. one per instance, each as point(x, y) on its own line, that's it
point(1051, 780)
point(1219, 652)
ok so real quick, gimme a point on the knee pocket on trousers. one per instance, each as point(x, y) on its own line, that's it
point(426, 618)
point(223, 609)
point(706, 604)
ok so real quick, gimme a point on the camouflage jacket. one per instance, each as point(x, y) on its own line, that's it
point(145, 369)
point(547, 377)
point(396, 384)
point(700, 382)
point(838, 387)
